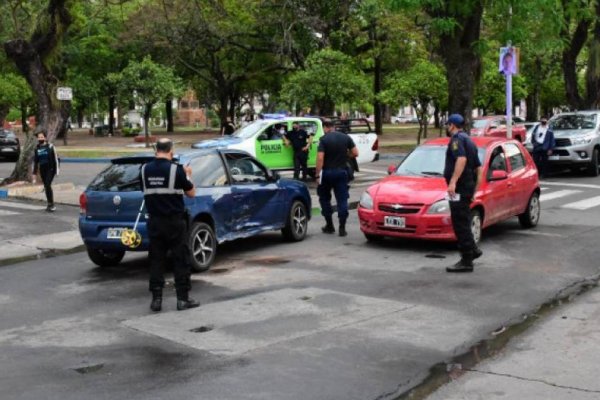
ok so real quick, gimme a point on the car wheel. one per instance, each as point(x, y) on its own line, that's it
point(105, 258)
point(202, 246)
point(297, 223)
point(373, 238)
point(531, 216)
point(476, 225)
point(593, 167)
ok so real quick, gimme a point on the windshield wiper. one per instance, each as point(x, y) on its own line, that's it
point(432, 173)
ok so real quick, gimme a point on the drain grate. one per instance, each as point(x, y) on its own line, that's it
point(202, 329)
point(88, 368)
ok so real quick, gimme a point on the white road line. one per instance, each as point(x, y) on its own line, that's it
point(21, 206)
point(584, 204)
point(373, 171)
point(576, 185)
point(537, 233)
point(558, 195)
point(4, 213)
point(544, 188)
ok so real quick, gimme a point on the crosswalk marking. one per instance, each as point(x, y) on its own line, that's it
point(10, 204)
point(5, 213)
point(558, 194)
point(373, 171)
point(584, 204)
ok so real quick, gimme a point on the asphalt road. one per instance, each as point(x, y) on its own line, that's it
point(327, 318)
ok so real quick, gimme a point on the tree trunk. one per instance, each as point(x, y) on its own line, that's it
point(147, 113)
point(223, 102)
point(463, 63)
point(376, 91)
point(80, 116)
point(24, 115)
point(169, 115)
point(592, 72)
point(4, 110)
point(111, 114)
point(326, 108)
point(569, 62)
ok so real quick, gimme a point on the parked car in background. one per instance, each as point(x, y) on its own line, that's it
point(577, 136)
point(10, 147)
point(412, 203)
point(237, 197)
point(495, 126)
point(400, 119)
point(530, 126)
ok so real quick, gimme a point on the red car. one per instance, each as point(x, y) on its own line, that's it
point(495, 126)
point(411, 202)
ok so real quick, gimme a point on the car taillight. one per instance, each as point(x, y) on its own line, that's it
point(83, 203)
point(375, 146)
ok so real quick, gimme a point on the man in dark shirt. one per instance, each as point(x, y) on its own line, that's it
point(45, 161)
point(331, 173)
point(164, 183)
point(300, 141)
point(463, 174)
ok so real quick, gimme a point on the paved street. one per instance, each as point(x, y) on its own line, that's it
point(326, 318)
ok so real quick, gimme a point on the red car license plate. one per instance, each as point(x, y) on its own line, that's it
point(394, 222)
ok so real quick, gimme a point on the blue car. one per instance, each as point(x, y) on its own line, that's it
point(236, 197)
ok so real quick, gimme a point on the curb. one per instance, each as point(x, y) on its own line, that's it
point(20, 191)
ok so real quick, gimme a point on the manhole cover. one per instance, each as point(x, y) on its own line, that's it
point(435, 256)
point(202, 329)
point(88, 368)
point(305, 298)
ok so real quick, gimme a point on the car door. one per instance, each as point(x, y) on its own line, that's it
point(312, 128)
point(518, 177)
point(258, 198)
point(497, 202)
point(270, 147)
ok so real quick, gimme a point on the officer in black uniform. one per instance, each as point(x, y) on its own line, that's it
point(300, 141)
point(463, 174)
point(332, 173)
point(164, 183)
point(45, 161)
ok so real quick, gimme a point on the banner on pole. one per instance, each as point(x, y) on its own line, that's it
point(509, 60)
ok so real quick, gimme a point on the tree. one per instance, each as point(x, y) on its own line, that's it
point(420, 86)
point(330, 78)
point(150, 83)
point(14, 93)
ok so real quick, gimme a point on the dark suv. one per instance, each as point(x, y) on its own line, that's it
point(9, 145)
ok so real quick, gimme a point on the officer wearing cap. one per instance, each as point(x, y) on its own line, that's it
point(164, 183)
point(463, 174)
point(332, 173)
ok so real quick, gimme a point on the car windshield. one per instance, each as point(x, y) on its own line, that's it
point(574, 121)
point(118, 178)
point(480, 123)
point(427, 161)
point(250, 130)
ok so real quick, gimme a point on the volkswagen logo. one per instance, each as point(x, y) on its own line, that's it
point(117, 200)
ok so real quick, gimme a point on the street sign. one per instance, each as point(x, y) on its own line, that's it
point(64, 93)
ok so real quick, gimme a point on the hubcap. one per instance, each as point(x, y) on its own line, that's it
point(203, 246)
point(534, 209)
point(299, 221)
point(476, 228)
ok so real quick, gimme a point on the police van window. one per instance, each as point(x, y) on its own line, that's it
point(245, 170)
point(208, 171)
point(309, 126)
point(497, 161)
point(274, 132)
point(118, 178)
point(515, 157)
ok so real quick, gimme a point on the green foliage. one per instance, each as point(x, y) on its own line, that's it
point(420, 86)
point(14, 90)
point(330, 78)
point(131, 132)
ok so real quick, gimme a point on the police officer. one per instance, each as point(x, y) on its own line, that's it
point(164, 183)
point(300, 141)
point(331, 173)
point(463, 174)
point(45, 161)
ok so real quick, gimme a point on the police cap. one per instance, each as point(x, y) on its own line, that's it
point(456, 119)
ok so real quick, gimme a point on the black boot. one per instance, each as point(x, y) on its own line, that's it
point(156, 304)
point(328, 228)
point(464, 265)
point(343, 228)
point(477, 253)
point(184, 302)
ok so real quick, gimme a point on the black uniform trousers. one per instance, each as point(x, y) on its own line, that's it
point(540, 158)
point(460, 212)
point(300, 162)
point(47, 176)
point(169, 233)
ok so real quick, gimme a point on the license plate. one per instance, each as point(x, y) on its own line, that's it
point(553, 158)
point(8, 150)
point(114, 233)
point(394, 222)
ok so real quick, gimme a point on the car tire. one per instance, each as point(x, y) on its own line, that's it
point(476, 225)
point(105, 258)
point(202, 245)
point(297, 222)
point(373, 238)
point(593, 167)
point(531, 216)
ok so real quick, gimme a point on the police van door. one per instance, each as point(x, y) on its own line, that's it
point(270, 148)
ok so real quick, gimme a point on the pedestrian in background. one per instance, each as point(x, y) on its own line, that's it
point(45, 161)
point(463, 174)
point(332, 174)
point(543, 142)
point(300, 141)
point(164, 183)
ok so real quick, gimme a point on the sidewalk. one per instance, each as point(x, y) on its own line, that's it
point(64, 193)
point(557, 358)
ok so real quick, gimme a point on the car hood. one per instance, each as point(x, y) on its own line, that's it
point(572, 132)
point(409, 190)
point(476, 131)
point(220, 142)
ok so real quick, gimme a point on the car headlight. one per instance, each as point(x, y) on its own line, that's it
point(366, 201)
point(439, 207)
point(585, 139)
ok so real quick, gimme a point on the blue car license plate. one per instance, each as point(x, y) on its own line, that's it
point(114, 233)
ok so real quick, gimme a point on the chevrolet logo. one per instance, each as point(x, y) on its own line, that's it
point(397, 206)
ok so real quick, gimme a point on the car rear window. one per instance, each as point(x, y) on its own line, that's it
point(118, 178)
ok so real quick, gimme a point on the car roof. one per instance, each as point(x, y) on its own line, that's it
point(587, 112)
point(292, 119)
point(143, 158)
point(480, 141)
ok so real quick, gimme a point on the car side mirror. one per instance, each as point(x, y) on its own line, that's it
point(391, 169)
point(498, 175)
